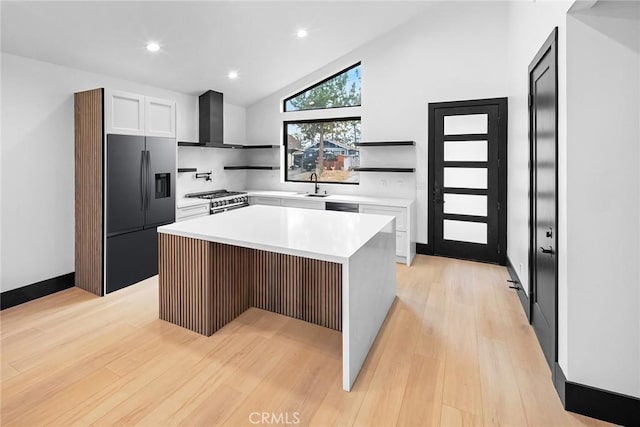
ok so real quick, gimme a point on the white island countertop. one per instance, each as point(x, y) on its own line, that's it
point(326, 235)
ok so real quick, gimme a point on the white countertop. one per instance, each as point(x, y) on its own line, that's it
point(363, 200)
point(327, 235)
point(190, 201)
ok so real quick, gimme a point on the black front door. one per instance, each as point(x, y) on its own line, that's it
point(467, 185)
point(543, 95)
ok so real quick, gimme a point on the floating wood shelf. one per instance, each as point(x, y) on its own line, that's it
point(180, 170)
point(402, 170)
point(197, 144)
point(385, 144)
point(251, 147)
point(231, 168)
point(225, 146)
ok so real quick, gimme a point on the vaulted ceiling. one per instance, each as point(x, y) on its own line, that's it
point(200, 41)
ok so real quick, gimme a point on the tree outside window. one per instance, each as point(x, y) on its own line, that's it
point(325, 146)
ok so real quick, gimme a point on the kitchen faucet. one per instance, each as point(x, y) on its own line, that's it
point(317, 188)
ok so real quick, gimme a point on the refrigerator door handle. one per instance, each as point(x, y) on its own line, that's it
point(142, 183)
point(148, 179)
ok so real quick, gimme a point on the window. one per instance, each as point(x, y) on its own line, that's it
point(340, 90)
point(326, 146)
point(335, 138)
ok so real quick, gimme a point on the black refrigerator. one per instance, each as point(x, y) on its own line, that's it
point(140, 197)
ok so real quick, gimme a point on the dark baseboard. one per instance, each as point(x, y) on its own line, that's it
point(524, 299)
point(37, 290)
point(424, 249)
point(597, 403)
point(559, 381)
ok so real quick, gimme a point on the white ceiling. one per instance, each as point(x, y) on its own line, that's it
point(200, 41)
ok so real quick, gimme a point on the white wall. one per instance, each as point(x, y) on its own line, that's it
point(603, 196)
point(454, 51)
point(214, 159)
point(37, 157)
point(209, 160)
point(529, 26)
point(599, 183)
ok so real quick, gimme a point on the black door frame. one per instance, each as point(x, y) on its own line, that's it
point(550, 44)
point(502, 168)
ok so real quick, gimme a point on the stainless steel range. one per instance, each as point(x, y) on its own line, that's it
point(222, 200)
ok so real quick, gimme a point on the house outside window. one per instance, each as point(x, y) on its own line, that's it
point(325, 146)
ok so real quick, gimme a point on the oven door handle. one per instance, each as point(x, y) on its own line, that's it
point(228, 208)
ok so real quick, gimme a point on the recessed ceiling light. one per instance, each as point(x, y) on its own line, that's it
point(233, 75)
point(302, 33)
point(153, 47)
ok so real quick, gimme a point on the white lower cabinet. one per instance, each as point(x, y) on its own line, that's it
point(190, 212)
point(399, 213)
point(401, 243)
point(305, 204)
point(261, 200)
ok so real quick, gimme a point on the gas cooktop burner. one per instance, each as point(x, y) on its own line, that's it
point(215, 194)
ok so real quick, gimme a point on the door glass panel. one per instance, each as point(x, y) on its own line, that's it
point(465, 204)
point(465, 151)
point(464, 231)
point(466, 124)
point(465, 178)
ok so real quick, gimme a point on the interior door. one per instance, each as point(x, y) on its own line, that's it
point(161, 181)
point(125, 182)
point(467, 159)
point(543, 233)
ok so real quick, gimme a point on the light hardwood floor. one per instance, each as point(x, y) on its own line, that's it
point(455, 349)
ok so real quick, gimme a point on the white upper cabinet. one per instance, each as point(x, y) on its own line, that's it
point(133, 114)
point(160, 117)
point(124, 112)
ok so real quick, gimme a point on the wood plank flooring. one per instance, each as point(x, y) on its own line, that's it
point(456, 349)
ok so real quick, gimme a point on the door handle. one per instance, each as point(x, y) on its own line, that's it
point(546, 251)
point(437, 194)
point(148, 179)
point(142, 186)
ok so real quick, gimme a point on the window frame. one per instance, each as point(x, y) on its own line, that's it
point(322, 120)
point(315, 85)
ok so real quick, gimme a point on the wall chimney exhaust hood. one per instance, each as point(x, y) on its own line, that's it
point(210, 119)
point(210, 122)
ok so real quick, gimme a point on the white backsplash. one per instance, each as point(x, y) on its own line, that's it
point(205, 160)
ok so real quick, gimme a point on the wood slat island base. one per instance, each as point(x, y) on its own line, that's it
point(333, 269)
point(204, 285)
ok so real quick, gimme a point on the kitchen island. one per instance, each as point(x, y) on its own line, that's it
point(334, 269)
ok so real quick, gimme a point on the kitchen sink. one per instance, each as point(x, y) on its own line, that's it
point(316, 195)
